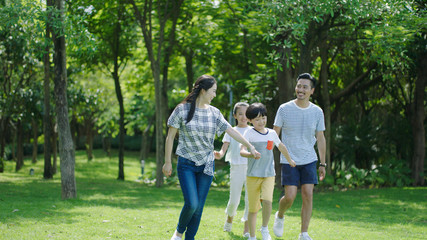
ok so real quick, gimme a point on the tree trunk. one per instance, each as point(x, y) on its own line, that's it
point(189, 69)
point(55, 149)
point(35, 125)
point(2, 142)
point(418, 130)
point(326, 102)
point(66, 147)
point(47, 126)
point(284, 78)
point(119, 95)
point(145, 143)
point(89, 140)
point(106, 145)
point(115, 74)
point(19, 146)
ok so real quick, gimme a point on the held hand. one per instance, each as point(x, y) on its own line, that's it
point(255, 153)
point(322, 173)
point(167, 169)
point(292, 163)
point(217, 155)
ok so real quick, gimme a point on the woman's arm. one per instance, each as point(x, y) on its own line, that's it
point(167, 167)
point(238, 137)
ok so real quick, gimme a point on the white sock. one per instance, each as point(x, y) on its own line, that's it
point(264, 228)
point(305, 234)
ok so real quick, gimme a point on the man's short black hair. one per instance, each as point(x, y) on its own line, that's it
point(308, 77)
point(256, 109)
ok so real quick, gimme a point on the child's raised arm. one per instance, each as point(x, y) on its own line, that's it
point(282, 148)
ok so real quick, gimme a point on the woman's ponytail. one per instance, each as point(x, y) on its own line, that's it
point(203, 82)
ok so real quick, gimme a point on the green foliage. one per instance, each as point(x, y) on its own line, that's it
point(394, 173)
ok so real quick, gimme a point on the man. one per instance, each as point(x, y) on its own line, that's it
point(301, 124)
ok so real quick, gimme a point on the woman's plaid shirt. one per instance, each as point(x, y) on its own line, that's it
point(196, 138)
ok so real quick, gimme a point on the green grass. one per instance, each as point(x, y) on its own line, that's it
point(105, 208)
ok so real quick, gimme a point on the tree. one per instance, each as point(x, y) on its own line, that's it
point(159, 58)
point(47, 125)
point(112, 25)
point(66, 147)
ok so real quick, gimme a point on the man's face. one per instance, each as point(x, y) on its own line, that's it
point(303, 89)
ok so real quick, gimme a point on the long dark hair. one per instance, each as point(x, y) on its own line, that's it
point(203, 82)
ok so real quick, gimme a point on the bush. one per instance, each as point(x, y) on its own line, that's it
point(394, 173)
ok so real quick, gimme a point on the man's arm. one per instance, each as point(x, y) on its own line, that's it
point(278, 130)
point(321, 148)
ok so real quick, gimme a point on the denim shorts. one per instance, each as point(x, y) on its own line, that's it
point(299, 175)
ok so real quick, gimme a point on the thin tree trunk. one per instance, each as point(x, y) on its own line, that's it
point(89, 140)
point(115, 75)
point(418, 130)
point(47, 126)
point(189, 69)
point(119, 95)
point(19, 146)
point(55, 148)
point(145, 144)
point(2, 142)
point(326, 102)
point(66, 146)
point(35, 125)
point(284, 78)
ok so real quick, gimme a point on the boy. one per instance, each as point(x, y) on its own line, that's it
point(260, 174)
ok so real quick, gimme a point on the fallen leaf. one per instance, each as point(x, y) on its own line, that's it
point(338, 206)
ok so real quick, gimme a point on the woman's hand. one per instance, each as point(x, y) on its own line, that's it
point(255, 153)
point(167, 169)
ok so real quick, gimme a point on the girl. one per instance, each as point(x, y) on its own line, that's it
point(197, 122)
point(238, 168)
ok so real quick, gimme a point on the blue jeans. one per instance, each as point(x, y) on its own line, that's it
point(195, 187)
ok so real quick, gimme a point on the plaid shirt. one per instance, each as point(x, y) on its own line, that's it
point(196, 138)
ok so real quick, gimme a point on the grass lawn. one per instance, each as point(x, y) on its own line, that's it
point(105, 208)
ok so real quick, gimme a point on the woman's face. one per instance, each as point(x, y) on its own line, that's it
point(206, 96)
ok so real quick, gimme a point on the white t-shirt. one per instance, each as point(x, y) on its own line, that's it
point(299, 127)
point(264, 144)
point(233, 152)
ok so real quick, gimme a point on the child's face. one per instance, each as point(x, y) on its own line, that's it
point(240, 116)
point(259, 122)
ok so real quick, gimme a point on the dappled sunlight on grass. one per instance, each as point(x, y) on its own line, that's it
point(31, 207)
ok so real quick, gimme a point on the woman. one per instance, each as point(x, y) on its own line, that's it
point(197, 122)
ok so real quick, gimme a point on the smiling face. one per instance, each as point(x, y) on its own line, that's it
point(259, 123)
point(206, 96)
point(304, 90)
point(240, 116)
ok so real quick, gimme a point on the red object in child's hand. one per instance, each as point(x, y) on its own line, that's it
point(270, 145)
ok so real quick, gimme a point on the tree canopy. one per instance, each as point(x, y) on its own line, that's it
point(130, 62)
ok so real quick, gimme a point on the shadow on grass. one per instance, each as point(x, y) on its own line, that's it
point(24, 196)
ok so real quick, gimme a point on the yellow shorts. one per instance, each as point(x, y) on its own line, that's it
point(259, 188)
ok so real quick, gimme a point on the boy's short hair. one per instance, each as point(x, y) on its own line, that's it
point(256, 109)
point(308, 77)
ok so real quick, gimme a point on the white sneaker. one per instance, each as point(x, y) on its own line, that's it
point(265, 234)
point(228, 226)
point(304, 237)
point(278, 225)
point(246, 235)
point(175, 237)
